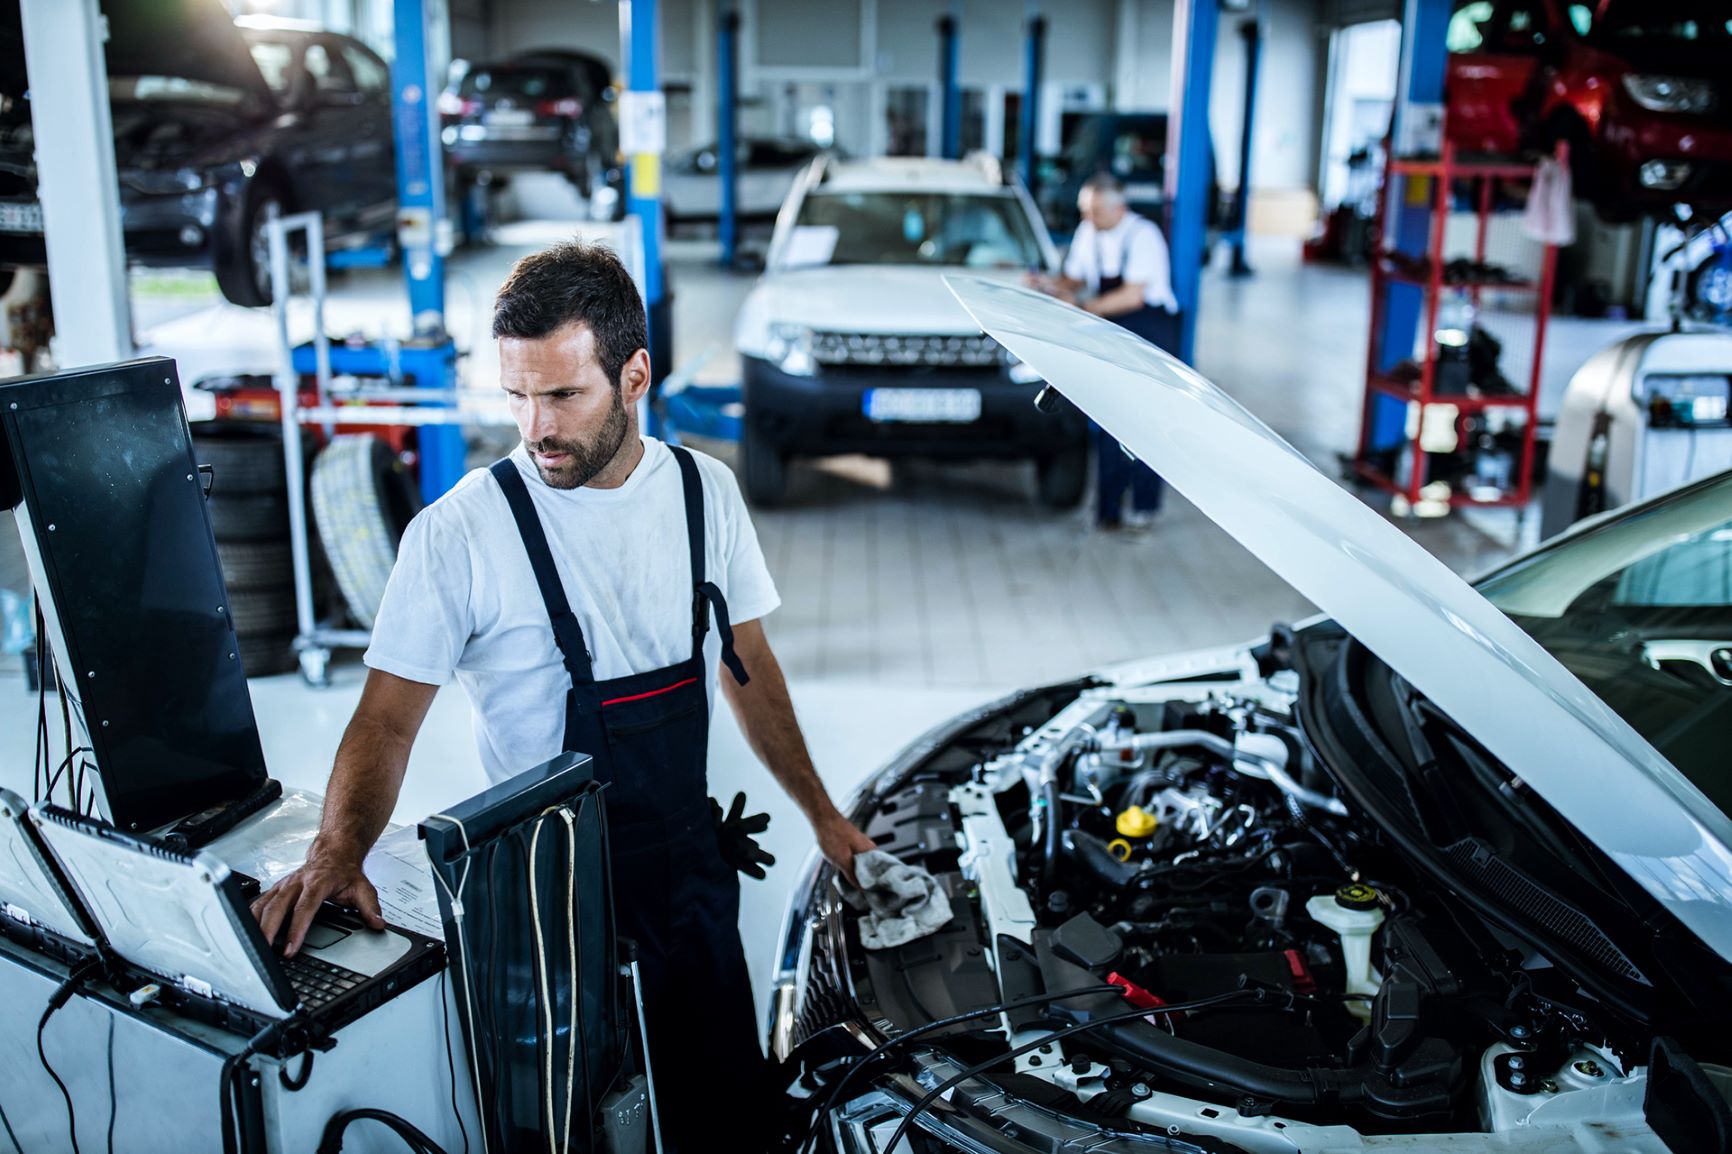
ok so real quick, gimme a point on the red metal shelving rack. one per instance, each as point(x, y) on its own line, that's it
point(1443, 173)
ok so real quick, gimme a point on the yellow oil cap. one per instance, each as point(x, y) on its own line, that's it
point(1136, 822)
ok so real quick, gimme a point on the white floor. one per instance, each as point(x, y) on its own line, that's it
point(909, 593)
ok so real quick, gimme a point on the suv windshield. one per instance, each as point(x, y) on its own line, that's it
point(1640, 609)
point(1664, 21)
point(531, 82)
point(977, 230)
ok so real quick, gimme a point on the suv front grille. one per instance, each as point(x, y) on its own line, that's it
point(971, 351)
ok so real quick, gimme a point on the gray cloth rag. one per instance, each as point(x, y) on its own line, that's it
point(903, 903)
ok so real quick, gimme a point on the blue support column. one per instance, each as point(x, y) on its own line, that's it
point(949, 89)
point(1251, 31)
point(1407, 214)
point(644, 139)
point(421, 219)
point(1188, 160)
point(1034, 65)
point(727, 131)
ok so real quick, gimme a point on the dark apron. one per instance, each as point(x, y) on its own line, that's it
point(1114, 472)
point(648, 734)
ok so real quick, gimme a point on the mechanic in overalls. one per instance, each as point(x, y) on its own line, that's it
point(1118, 268)
point(583, 591)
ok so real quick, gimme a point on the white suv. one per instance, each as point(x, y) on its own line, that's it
point(850, 343)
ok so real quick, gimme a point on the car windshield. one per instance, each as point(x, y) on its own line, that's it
point(1639, 608)
point(532, 83)
point(1664, 21)
point(275, 58)
point(977, 230)
point(172, 88)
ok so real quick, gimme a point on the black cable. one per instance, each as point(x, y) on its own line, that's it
point(113, 1102)
point(1056, 1036)
point(450, 1059)
point(6, 1124)
point(860, 1063)
point(59, 998)
point(331, 1142)
point(299, 1081)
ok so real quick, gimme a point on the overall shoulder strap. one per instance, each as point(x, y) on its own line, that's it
point(705, 595)
point(567, 633)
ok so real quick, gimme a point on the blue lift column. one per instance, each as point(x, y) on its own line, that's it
point(727, 130)
point(1251, 31)
point(949, 89)
point(1034, 64)
point(1188, 161)
point(429, 356)
point(643, 137)
point(1417, 127)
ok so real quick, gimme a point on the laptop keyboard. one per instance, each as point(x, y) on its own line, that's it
point(318, 982)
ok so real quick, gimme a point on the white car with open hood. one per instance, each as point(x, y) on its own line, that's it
point(1449, 868)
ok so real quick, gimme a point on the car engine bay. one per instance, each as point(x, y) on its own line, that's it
point(1178, 845)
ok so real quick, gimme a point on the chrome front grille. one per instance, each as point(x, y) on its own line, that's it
point(971, 351)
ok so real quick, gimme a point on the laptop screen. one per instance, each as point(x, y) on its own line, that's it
point(29, 891)
point(173, 915)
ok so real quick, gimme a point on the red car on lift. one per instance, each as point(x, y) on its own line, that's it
point(1640, 89)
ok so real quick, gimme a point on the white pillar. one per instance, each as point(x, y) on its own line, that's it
point(75, 180)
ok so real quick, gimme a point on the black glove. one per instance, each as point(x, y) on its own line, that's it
point(734, 834)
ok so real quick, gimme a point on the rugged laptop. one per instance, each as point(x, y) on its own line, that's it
point(181, 921)
point(37, 908)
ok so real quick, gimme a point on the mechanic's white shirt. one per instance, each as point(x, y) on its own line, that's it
point(462, 599)
point(1133, 249)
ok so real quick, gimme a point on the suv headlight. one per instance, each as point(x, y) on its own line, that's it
point(1670, 93)
point(789, 348)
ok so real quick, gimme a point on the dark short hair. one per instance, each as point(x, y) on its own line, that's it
point(1105, 182)
point(574, 283)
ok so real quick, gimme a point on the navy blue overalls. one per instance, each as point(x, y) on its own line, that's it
point(1115, 472)
point(648, 734)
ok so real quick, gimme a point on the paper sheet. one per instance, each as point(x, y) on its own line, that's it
point(272, 844)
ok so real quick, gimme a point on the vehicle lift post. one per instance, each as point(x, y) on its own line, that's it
point(727, 129)
point(949, 90)
point(643, 138)
point(1034, 65)
point(1187, 179)
point(1251, 32)
point(423, 234)
point(1417, 129)
point(77, 187)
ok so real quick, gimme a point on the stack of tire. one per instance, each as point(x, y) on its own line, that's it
point(249, 512)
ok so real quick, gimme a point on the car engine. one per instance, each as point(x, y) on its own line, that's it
point(1177, 846)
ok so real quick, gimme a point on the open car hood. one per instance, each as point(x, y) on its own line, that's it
point(1403, 604)
point(186, 39)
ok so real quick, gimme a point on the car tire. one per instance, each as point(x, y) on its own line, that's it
point(259, 612)
point(249, 566)
point(1062, 479)
point(242, 266)
point(268, 654)
point(765, 469)
point(363, 499)
point(249, 516)
point(242, 458)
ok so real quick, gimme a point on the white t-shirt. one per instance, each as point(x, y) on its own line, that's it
point(462, 599)
point(1133, 249)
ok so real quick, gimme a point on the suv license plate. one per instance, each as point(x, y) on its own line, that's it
point(509, 117)
point(20, 216)
point(928, 406)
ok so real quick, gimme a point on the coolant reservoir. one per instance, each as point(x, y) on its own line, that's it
point(1354, 913)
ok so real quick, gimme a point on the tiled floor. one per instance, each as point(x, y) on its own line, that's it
point(909, 593)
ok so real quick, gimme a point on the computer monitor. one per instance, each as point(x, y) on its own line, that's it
point(97, 466)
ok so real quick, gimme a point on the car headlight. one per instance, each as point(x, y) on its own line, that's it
point(1670, 93)
point(790, 349)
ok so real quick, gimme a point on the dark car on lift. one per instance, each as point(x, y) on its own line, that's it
point(1637, 88)
point(547, 110)
point(217, 127)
